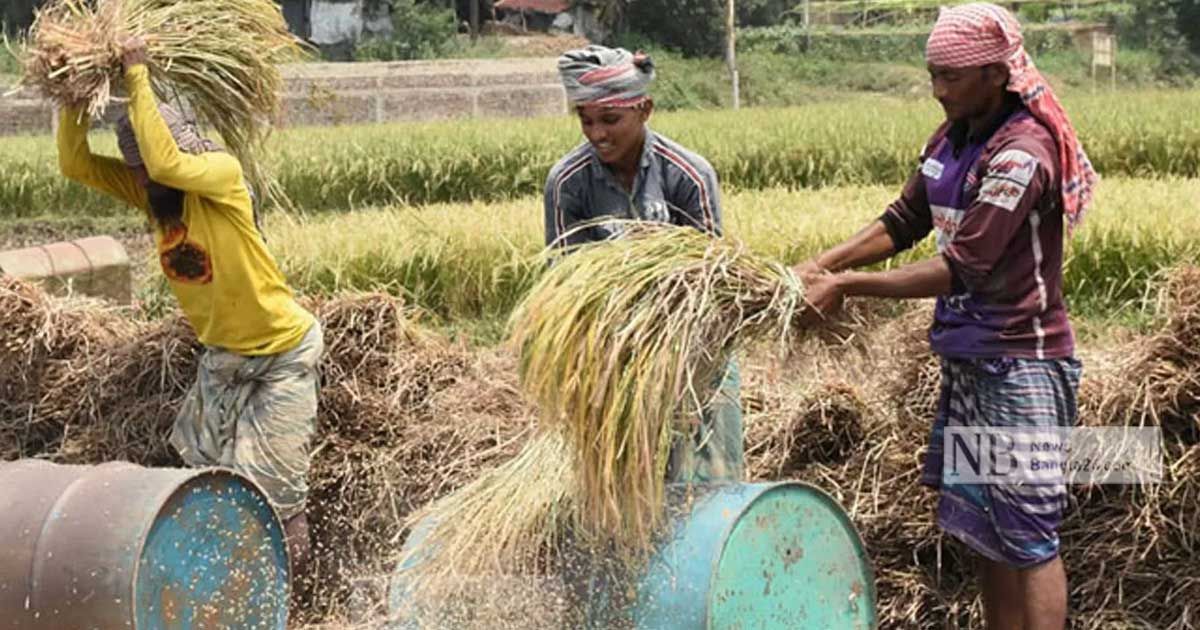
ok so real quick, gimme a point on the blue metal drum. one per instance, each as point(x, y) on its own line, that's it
point(737, 556)
point(121, 546)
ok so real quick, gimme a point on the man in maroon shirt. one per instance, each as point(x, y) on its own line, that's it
point(998, 183)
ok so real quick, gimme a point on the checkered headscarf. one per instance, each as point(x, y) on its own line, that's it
point(981, 34)
point(613, 77)
point(186, 136)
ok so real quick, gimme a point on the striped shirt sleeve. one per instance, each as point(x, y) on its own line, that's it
point(909, 218)
point(696, 190)
point(563, 204)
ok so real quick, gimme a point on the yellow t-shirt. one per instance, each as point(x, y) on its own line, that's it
point(217, 264)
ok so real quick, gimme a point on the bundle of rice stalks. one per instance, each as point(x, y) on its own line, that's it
point(620, 345)
point(523, 503)
point(219, 56)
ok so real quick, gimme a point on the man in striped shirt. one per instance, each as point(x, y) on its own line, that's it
point(998, 183)
point(623, 172)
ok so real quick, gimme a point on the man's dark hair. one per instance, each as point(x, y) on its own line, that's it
point(166, 204)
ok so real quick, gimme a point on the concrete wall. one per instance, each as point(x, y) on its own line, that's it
point(96, 266)
point(330, 94)
point(356, 93)
point(23, 113)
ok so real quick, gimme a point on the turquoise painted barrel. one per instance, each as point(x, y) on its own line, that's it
point(121, 546)
point(737, 556)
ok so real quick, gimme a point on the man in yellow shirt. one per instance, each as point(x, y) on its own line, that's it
point(253, 407)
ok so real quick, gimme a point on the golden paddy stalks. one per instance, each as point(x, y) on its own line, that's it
point(621, 343)
point(220, 56)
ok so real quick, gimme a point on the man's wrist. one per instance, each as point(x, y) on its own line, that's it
point(823, 262)
point(847, 282)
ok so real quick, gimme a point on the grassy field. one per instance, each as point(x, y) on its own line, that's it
point(857, 141)
point(449, 215)
point(472, 262)
point(468, 264)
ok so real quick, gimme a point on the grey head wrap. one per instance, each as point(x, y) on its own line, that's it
point(186, 136)
point(613, 77)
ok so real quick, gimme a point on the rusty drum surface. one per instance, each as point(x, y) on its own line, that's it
point(121, 546)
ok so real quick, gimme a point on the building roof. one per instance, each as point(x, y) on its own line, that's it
point(541, 6)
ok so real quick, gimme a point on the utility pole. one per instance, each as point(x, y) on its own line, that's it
point(807, 28)
point(731, 51)
point(474, 20)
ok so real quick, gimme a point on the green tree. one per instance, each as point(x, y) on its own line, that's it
point(420, 31)
point(693, 27)
point(762, 12)
point(1187, 20)
point(1170, 28)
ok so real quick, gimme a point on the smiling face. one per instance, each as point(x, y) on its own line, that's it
point(616, 133)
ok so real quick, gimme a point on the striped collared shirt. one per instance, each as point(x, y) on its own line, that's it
point(673, 185)
point(995, 206)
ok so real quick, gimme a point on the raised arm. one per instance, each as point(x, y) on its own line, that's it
point(211, 174)
point(77, 162)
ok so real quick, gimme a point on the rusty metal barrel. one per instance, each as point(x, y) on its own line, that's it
point(122, 546)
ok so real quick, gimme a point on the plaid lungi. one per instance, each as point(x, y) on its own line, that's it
point(1011, 523)
point(257, 416)
point(713, 449)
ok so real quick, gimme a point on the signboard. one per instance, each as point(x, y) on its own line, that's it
point(1104, 50)
point(1104, 55)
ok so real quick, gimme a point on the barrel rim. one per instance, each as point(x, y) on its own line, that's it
point(205, 473)
point(763, 489)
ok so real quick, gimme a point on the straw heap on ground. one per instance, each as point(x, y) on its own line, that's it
point(407, 417)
